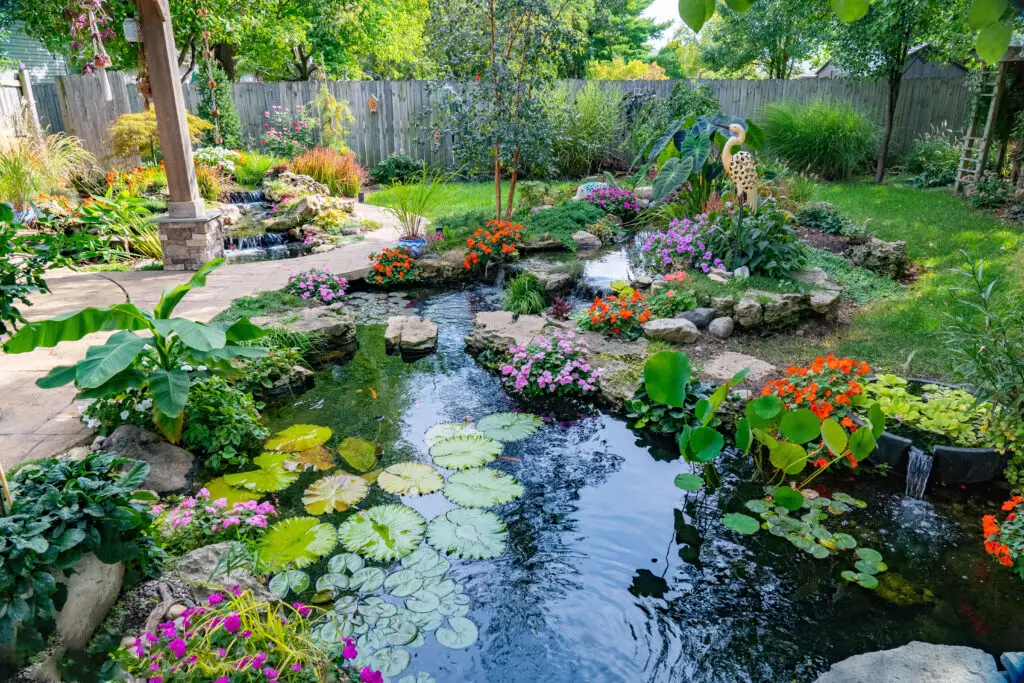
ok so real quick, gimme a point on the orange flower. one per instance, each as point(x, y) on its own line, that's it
point(820, 462)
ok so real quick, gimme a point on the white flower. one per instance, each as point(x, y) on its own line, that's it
point(124, 414)
point(201, 368)
point(186, 368)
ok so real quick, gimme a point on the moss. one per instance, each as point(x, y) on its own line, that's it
point(633, 371)
point(259, 304)
point(895, 589)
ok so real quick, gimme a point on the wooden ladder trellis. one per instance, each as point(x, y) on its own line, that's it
point(979, 136)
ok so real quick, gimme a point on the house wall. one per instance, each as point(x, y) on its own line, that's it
point(42, 65)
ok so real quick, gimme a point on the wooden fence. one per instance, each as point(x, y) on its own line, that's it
point(75, 104)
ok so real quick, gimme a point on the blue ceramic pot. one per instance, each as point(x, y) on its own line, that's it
point(417, 247)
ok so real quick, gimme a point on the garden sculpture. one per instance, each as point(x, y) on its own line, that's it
point(740, 167)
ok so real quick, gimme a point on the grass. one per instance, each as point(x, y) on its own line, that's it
point(859, 284)
point(259, 304)
point(456, 198)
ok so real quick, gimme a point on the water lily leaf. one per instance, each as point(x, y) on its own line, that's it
point(390, 661)
point(757, 505)
point(740, 523)
point(455, 605)
point(463, 452)
point(482, 488)
point(507, 427)
point(219, 488)
point(423, 602)
point(819, 552)
point(334, 493)
point(704, 444)
point(447, 430)
point(421, 677)
point(869, 554)
point(764, 412)
point(788, 457)
point(318, 458)
point(410, 479)
point(844, 541)
point(866, 567)
point(292, 581)
point(271, 475)
point(689, 482)
point(460, 634)
point(360, 454)
point(666, 375)
point(867, 581)
point(345, 562)
point(383, 533)
point(298, 438)
point(299, 542)
point(332, 582)
point(468, 534)
point(800, 426)
point(368, 579)
point(788, 498)
point(403, 583)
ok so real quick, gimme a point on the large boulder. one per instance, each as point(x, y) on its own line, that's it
point(92, 591)
point(293, 185)
point(444, 268)
point(298, 380)
point(748, 312)
point(498, 330)
point(585, 241)
point(308, 208)
point(555, 278)
point(197, 568)
point(335, 326)
point(410, 334)
point(782, 309)
point(879, 256)
point(170, 468)
point(701, 317)
point(917, 662)
point(675, 330)
point(725, 366)
point(721, 328)
point(230, 214)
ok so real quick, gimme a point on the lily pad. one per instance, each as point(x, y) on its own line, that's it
point(368, 579)
point(219, 488)
point(360, 454)
point(447, 430)
point(318, 458)
point(507, 427)
point(403, 583)
point(460, 634)
point(410, 479)
point(298, 438)
point(468, 534)
point(481, 488)
point(291, 581)
point(334, 493)
point(463, 452)
point(345, 562)
point(390, 661)
point(297, 542)
point(383, 533)
point(740, 523)
point(689, 482)
point(271, 475)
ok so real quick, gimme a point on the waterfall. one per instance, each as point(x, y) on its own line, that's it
point(264, 241)
point(499, 278)
point(245, 197)
point(919, 466)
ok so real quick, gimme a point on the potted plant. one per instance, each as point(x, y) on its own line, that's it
point(410, 201)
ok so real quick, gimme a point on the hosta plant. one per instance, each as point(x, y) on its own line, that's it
point(150, 350)
point(555, 366)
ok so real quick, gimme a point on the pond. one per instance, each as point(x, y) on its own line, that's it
point(613, 574)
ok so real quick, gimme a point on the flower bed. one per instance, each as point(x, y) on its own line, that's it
point(197, 521)
point(551, 366)
point(622, 315)
point(616, 201)
point(497, 241)
point(318, 284)
point(393, 267)
point(682, 245)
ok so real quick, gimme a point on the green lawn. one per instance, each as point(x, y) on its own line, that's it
point(457, 198)
point(898, 333)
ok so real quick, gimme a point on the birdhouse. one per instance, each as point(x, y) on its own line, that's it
point(372, 103)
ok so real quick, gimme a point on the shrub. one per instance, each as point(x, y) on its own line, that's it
point(682, 245)
point(830, 139)
point(137, 133)
point(137, 182)
point(524, 295)
point(668, 303)
point(341, 173)
point(209, 182)
point(333, 117)
point(822, 216)
point(1005, 541)
point(195, 521)
point(397, 168)
point(765, 242)
point(250, 169)
point(603, 230)
point(585, 127)
point(217, 106)
point(620, 315)
point(394, 266)
point(319, 284)
point(20, 275)
point(286, 134)
point(647, 115)
point(220, 158)
point(551, 367)
point(934, 159)
point(497, 241)
point(616, 201)
point(222, 423)
point(987, 191)
point(563, 220)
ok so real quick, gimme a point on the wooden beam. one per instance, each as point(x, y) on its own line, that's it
point(30, 102)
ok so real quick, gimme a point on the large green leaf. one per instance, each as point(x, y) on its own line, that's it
point(800, 426)
point(292, 581)
point(447, 430)
point(764, 411)
point(743, 524)
point(172, 296)
point(982, 13)
point(663, 142)
point(360, 454)
point(671, 176)
point(666, 375)
point(219, 488)
point(788, 457)
point(468, 534)
point(132, 378)
point(74, 326)
point(192, 334)
point(877, 419)
point(739, 5)
point(463, 452)
point(689, 482)
point(297, 542)
point(835, 436)
point(334, 493)
point(704, 444)
point(507, 427)
point(58, 377)
point(410, 479)
point(788, 498)
point(271, 475)
point(103, 362)
point(298, 438)
point(242, 330)
point(862, 443)
point(383, 533)
point(695, 13)
point(993, 41)
point(850, 10)
point(696, 147)
point(481, 488)
point(460, 634)
point(170, 391)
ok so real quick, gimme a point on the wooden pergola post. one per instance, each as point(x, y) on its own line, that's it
point(190, 235)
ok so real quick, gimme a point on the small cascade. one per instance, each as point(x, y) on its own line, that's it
point(263, 241)
point(245, 197)
point(919, 467)
point(499, 279)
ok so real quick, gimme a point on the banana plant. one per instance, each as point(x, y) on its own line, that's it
point(150, 350)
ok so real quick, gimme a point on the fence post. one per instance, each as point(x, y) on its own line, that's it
point(30, 102)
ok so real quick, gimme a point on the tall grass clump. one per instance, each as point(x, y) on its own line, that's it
point(524, 295)
point(584, 127)
point(250, 169)
point(831, 139)
point(341, 173)
point(31, 166)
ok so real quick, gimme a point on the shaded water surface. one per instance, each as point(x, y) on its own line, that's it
point(613, 574)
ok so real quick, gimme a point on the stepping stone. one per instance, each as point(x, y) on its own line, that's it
point(726, 365)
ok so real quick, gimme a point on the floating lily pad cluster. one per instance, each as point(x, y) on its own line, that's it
point(807, 531)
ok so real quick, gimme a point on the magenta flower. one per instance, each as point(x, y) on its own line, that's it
point(178, 647)
point(367, 675)
point(215, 599)
point(232, 622)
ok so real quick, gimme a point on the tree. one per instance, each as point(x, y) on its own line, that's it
point(217, 106)
point(615, 28)
point(775, 36)
point(877, 45)
point(620, 70)
point(680, 60)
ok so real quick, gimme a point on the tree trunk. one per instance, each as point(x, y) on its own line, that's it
point(512, 185)
point(891, 98)
point(1001, 160)
point(497, 181)
point(225, 54)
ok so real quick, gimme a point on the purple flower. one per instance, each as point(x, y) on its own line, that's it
point(369, 676)
point(232, 622)
point(215, 599)
point(178, 647)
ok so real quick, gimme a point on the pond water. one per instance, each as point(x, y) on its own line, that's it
point(613, 574)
